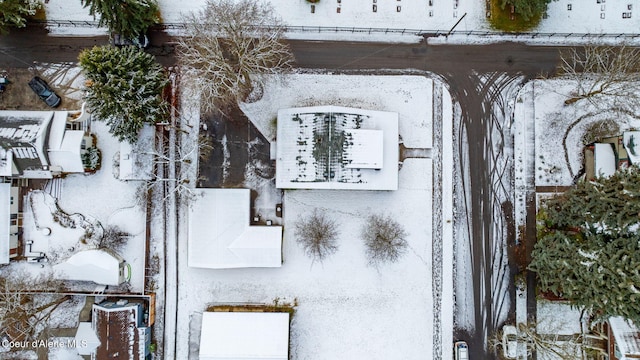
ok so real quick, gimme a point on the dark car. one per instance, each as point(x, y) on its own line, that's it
point(141, 41)
point(42, 89)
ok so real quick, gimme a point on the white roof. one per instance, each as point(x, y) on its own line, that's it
point(605, 160)
point(220, 236)
point(5, 218)
point(626, 336)
point(67, 154)
point(365, 149)
point(99, 266)
point(86, 339)
point(244, 336)
point(631, 142)
point(315, 146)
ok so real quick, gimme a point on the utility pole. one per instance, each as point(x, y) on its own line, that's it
point(456, 24)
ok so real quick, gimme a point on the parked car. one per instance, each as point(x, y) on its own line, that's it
point(42, 89)
point(510, 341)
point(461, 350)
point(141, 41)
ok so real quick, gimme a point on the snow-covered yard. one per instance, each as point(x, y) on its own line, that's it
point(565, 16)
point(346, 309)
point(560, 129)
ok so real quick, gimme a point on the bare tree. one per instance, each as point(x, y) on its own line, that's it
point(384, 238)
point(187, 152)
point(317, 234)
point(24, 312)
point(114, 238)
point(230, 47)
point(603, 71)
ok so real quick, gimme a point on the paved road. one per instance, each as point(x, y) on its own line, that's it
point(476, 76)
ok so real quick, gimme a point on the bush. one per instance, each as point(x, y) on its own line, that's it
point(384, 238)
point(91, 158)
point(317, 235)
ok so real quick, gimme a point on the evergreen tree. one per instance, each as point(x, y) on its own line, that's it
point(124, 88)
point(528, 9)
point(13, 13)
point(125, 17)
point(588, 248)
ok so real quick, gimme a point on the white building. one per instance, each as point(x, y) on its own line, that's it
point(330, 147)
point(101, 266)
point(244, 335)
point(42, 144)
point(221, 237)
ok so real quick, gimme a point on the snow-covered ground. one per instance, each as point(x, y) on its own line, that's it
point(345, 307)
point(564, 16)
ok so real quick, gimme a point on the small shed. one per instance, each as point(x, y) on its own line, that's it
point(101, 266)
point(244, 335)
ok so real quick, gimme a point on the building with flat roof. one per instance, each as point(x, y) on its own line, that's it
point(331, 147)
point(221, 237)
point(244, 335)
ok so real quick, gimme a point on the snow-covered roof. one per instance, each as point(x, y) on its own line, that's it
point(332, 147)
point(605, 160)
point(5, 218)
point(626, 336)
point(364, 149)
point(244, 335)
point(220, 236)
point(99, 266)
point(631, 142)
point(119, 331)
point(86, 339)
point(67, 154)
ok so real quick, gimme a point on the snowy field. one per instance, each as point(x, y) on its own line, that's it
point(346, 309)
point(564, 16)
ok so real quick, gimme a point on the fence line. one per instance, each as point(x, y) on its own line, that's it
point(374, 30)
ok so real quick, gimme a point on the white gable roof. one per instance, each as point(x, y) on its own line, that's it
point(5, 220)
point(605, 160)
point(67, 154)
point(244, 335)
point(220, 236)
point(99, 266)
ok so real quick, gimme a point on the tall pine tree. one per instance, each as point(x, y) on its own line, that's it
point(588, 248)
point(124, 88)
point(129, 18)
point(13, 13)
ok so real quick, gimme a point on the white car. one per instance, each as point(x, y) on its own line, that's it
point(461, 350)
point(510, 341)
